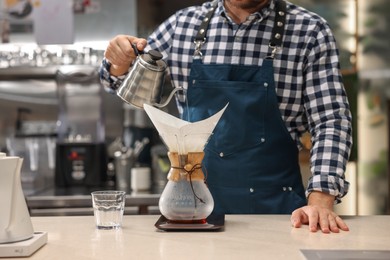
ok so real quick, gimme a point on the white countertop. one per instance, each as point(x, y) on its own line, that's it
point(244, 237)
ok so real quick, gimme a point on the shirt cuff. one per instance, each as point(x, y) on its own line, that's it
point(110, 82)
point(329, 184)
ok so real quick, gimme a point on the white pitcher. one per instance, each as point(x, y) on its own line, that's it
point(15, 222)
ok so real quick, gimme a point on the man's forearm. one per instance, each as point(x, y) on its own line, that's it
point(321, 199)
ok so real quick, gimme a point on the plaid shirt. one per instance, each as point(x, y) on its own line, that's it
point(309, 86)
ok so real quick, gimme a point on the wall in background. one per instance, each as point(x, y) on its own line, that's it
point(100, 21)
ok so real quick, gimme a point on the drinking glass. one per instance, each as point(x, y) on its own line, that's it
point(108, 208)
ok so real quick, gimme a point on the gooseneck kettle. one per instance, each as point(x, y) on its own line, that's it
point(144, 82)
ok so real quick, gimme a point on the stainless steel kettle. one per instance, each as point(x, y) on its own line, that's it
point(144, 83)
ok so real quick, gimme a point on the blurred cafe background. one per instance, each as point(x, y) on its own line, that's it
point(75, 137)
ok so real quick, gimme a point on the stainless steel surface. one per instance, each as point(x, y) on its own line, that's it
point(28, 72)
point(35, 89)
point(85, 200)
point(151, 210)
point(82, 204)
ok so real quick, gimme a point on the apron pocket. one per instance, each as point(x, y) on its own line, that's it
point(283, 200)
point(242, 124)
point(278, 200)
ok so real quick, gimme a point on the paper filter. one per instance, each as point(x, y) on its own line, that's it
point(182, 136)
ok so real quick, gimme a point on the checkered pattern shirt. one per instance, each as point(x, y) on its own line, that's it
point(308, 82)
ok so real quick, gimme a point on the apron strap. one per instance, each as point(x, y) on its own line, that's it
point(278, 30)
point(200, 37)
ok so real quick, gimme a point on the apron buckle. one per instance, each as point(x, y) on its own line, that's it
point(198, 47)
point(274, 48)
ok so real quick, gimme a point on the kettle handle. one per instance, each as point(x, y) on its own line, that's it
point(136, 51)
point(160, 105)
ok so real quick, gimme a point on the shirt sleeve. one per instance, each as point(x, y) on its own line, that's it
point(110, 83)
point(329, 116)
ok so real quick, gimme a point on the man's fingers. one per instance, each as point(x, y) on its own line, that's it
point(140, 43)
point(298, 217)
point(333, 224)
point(117, 52)
point(313, 220)
point(341, 224)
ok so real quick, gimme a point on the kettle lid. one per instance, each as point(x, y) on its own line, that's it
point(153, 60)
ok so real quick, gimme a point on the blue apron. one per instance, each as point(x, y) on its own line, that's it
point(251, 162)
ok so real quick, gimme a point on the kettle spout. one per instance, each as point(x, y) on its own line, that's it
point(165, 103)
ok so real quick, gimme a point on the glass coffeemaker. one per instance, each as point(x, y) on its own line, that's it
point(186, 197)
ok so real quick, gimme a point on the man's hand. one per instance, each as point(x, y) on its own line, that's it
point(121, 54)
point(318, 213)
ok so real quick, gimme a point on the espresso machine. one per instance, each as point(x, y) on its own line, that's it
point(81, 158)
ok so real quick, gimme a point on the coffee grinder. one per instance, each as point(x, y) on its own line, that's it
point(80, 151)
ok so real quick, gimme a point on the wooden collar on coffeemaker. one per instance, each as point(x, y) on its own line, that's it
point(190, 164)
